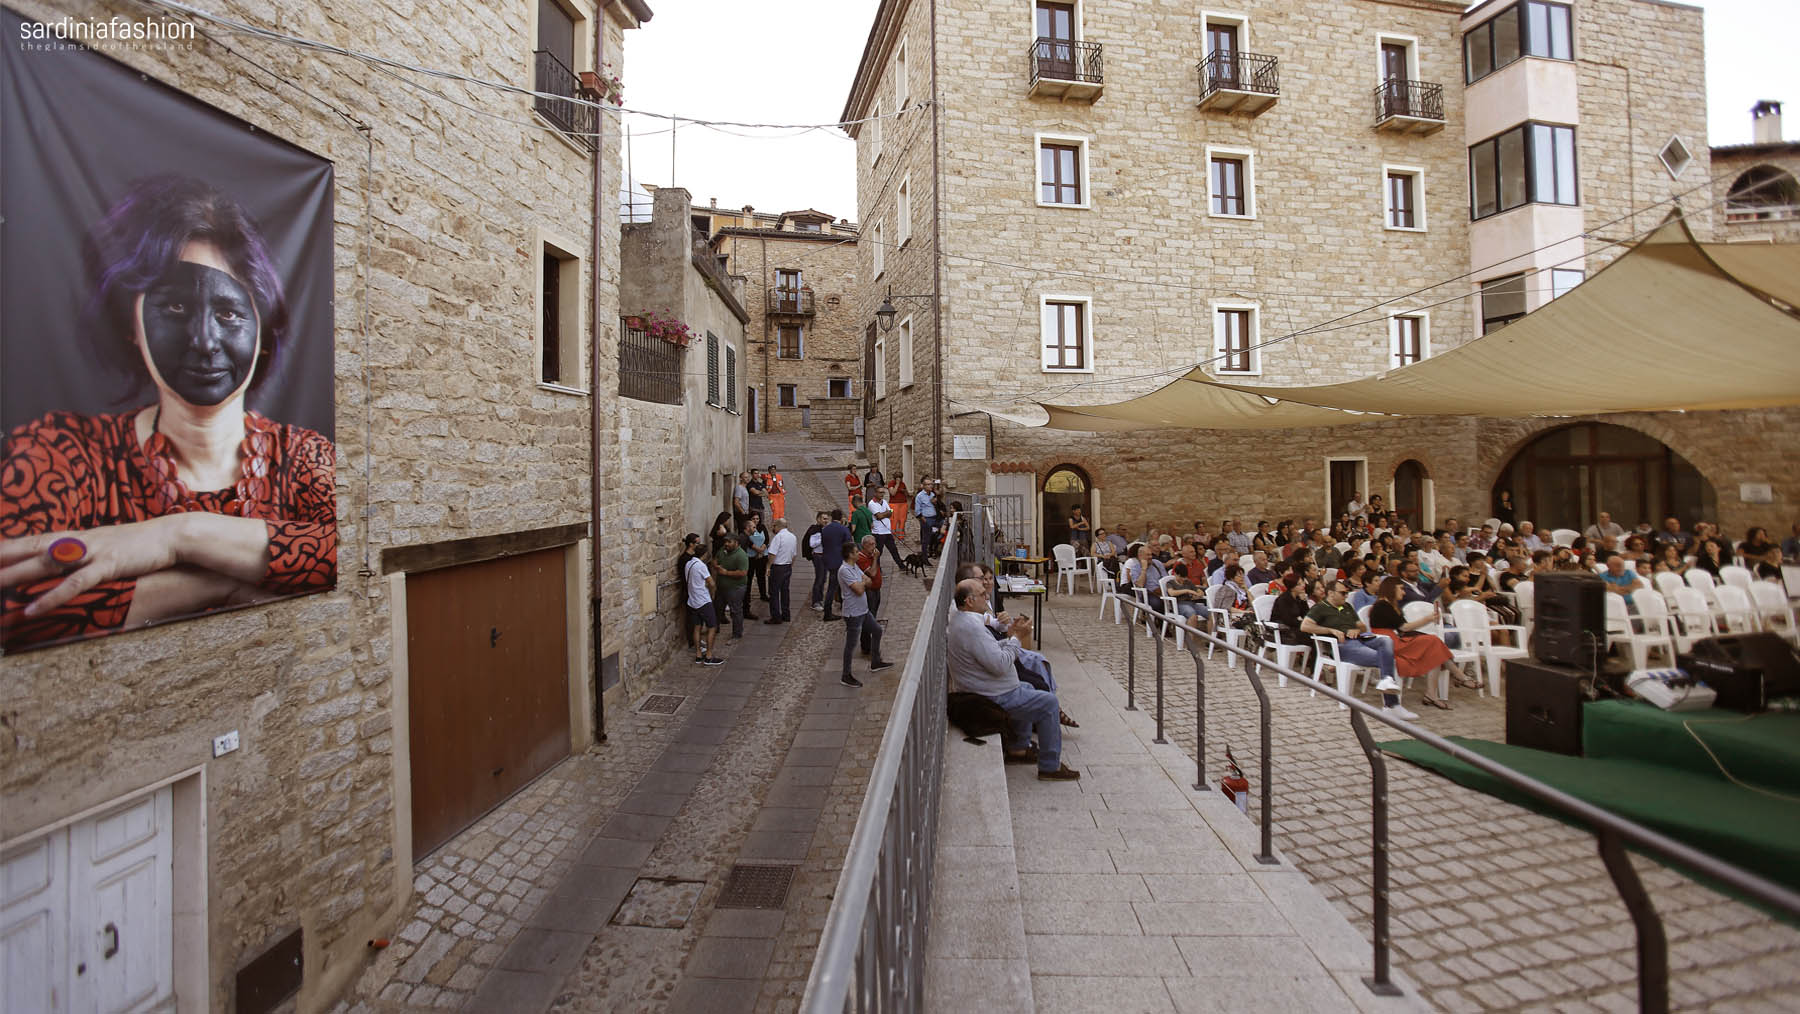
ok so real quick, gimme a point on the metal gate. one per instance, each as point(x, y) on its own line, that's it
point(1008, 523)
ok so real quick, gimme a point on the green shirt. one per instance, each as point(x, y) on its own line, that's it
point(731, 559)
point(1337, 618)
point(862, 522)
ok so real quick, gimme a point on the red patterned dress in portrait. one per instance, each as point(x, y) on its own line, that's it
point(68, 472)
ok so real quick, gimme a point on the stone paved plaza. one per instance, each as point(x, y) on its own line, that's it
point(1494, 907)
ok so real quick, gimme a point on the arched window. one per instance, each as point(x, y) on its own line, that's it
point(1763, 193)
point(1409, 494)
point(1066, 487)
point(1567, 476)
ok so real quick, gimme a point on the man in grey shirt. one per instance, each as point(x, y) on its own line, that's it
point(981, 665)
point(853, 584)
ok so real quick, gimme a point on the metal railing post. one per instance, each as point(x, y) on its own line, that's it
point(1652, 946)
point(1131, 661)
point(1199, 722)
point(1267, 855)
point(1381, 984)
point(1159, 689)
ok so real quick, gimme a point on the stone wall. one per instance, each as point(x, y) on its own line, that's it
point(443, 432)
point(1731, 162)
point(834, 422)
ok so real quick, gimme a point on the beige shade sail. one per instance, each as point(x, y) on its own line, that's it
point(1672, 324)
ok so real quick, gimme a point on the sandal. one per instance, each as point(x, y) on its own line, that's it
point(1434, 702)
point(1063, 718)
point(1465, 681)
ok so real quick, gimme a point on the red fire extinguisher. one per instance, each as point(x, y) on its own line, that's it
point(1235, 786)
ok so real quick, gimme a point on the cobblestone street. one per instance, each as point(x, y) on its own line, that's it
point(1494, 907)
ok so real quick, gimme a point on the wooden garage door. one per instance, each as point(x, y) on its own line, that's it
point(488, 698)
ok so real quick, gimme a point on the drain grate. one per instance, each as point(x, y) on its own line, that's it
point(752, 886)
point(661, 704)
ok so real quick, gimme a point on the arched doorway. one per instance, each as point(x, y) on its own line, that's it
point(1762, 193)
point(1566, 476)
point(1410, 485)
point(1065, 488)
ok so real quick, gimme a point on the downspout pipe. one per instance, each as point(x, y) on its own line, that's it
point(937, 264)
point(597, 420)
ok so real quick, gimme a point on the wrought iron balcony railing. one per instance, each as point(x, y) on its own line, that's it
point(1065, 68)
point(572, 118)
point(791, 301)
point(1409, 105)
point(1232, 81)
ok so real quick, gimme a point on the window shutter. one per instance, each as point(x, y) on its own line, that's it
point(731, 378)
point(712, 368)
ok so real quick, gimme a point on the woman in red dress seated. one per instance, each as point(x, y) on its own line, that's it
point(192, 501)
point(1416, 653)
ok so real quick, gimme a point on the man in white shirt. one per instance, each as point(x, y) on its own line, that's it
point(925, 509)
point(883, 527)
point(1239, 539)
point(981, 665)
point(1528, 537)
point(782, 549)
point(1355, 506)
point(702, 616)
point(1605, 529)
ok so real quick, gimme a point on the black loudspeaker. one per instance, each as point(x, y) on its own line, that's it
point(1569, 622)
point(1745, 670)
point(1543, 705)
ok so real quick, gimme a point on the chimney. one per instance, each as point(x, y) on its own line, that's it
point(1765, 122)
point(714, 202)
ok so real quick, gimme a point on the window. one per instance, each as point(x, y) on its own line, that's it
point(1409, 338)
point(790, 342)
point(903, 212)
point(787, 396)
point(1531, 28)
point(902, 87)
point(1564, 279)
point(1396, 61)
point(1055, 46)
point(1533, 163)
point(1062, 171)
point(880, 378)
point(905, 331)
point(712, 369)
point(838, 388)
point(1230, 182)
point(561, 53)
point(879, 250)
point(1225, 36)
point(787, 280)
point(731, 399)
point(1234, 338)
point(560, 315)
point(1674, 157)
point(1502, 302)
point(1405, 198)
point(875, 132)
point(1065, 335)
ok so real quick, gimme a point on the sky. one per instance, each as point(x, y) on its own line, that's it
point(791, 62)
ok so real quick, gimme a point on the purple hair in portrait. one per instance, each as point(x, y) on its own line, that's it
point(143, 234)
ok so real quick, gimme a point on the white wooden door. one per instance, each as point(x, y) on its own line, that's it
point(86, 922)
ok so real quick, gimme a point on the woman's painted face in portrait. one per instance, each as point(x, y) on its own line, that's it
point(199, 328)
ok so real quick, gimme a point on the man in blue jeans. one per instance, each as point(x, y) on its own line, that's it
point(858, 621)
point(925, 509)
point(1335, 619)
point(981, 665)
point(835, 544)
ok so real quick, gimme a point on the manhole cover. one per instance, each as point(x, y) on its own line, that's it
point(661, 704)
point(749, 886)
point(659, 903)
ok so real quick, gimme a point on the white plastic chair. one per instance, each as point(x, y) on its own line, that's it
point(1326, 654)
point(1109, 592)
point(1069, 567)
point(1414, 611)
point(1343, 547)
point(1258, 591)
point(1620, 630)
point(1735, 609)
point(1525, 600)
point(1476, 634)
point(1654, 614)
point(1666, 582)
point(1171, 607)
point(1740, 576)
point(1564, 536)
point(1703, 582)
point(1696, 616)
point(1218, 624)
point(1774, 610)
point(1286, 655)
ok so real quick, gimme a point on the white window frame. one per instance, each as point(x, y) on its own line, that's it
point(1082, 142)
point(875, 132)
point(880, 366)
point(905, 330)
point(903, 211)
point(790, 359)
point(1249, 158)
point(1387, 208)
point(1031, 20)
point(902, 88)
point(1218, 337)
point(1087, 332)
point(791, 392)
point(1581, 276)
point(1239, 21)
point(571, 316)
point(1424, 319)
point(1411, 42)
point(879, 249)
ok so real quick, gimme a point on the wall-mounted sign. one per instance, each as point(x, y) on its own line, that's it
point(1756, 492)
point(971, 448)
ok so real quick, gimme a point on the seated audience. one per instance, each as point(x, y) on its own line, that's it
point(1260, 572)
point(1190, 601)
point(981, 665)
point(1620, 581)
point(1232, 592)
point(1334, 618)
point(1416, 653)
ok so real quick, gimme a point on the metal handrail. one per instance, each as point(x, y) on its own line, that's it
point(872, 949)
point(1239, 72)
point(783, 299)
point(578, 120)
point(1064, 60)
point(1422, 100)
point(1612, 832)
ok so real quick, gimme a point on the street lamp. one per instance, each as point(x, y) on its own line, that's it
point(886, 313)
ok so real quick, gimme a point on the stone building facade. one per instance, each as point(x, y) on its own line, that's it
point(455, 448)
point(1104, 196)
point(1757, 183)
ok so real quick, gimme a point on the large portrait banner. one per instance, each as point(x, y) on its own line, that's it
point(166, 365)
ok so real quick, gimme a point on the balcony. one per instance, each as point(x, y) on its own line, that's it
point(1061, 69)
point(572, 118)
point(791, 302)
point(1409, 107)
point(1241, 83)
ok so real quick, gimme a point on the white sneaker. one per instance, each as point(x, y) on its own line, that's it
point(1402, 711)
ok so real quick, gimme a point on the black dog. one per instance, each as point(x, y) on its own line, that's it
point(913, 564)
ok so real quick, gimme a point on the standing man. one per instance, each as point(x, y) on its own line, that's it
point(862, 520)
point(855, 585)
point(834, 540)
point(883, 529)
point(871, 479)
point(852, 485)
point(756, 488)
point(868, 560)
point(777, 494)
point(732, 568)
point(925, 509)
point(701, 614)
point(740, 501)
point(782, 548)
point(812, 546)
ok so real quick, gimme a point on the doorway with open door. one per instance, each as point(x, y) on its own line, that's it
point(1412, 496)
point(1345, 479)
point(1066, 487)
